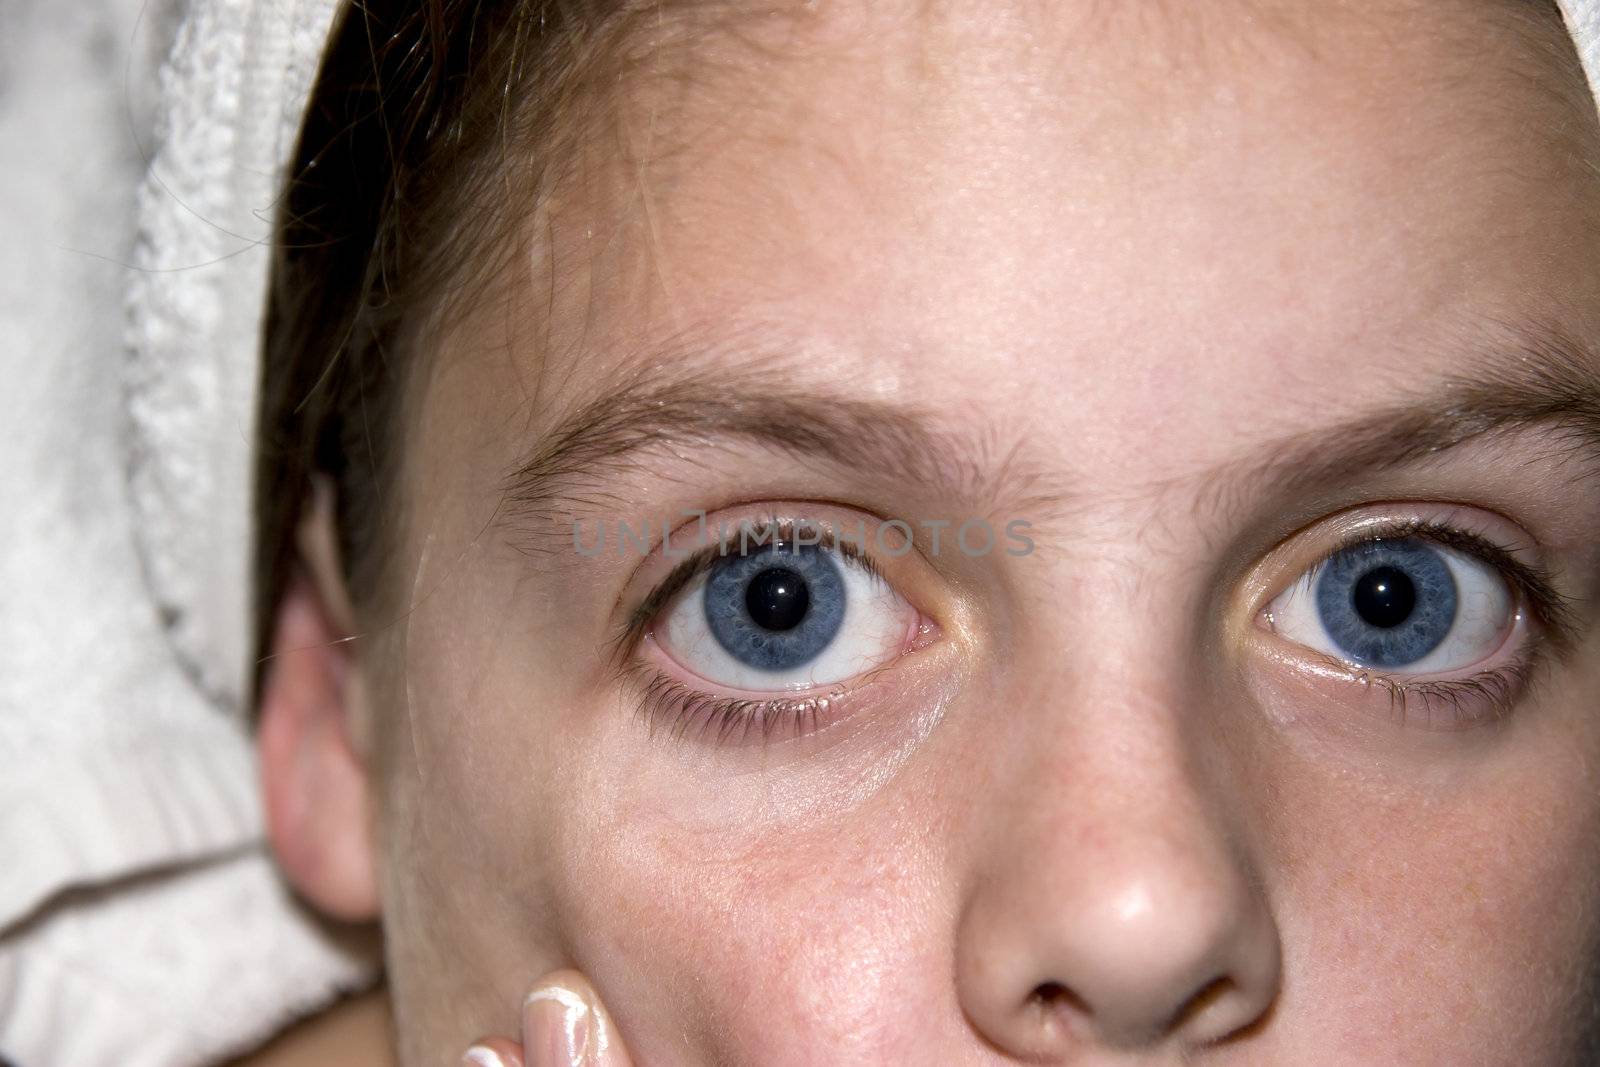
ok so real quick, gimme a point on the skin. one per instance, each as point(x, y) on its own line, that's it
point(1103, 815)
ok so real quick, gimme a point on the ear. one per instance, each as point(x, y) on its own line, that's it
point(313, 780)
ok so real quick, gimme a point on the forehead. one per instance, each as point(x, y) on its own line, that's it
point(1044, 208)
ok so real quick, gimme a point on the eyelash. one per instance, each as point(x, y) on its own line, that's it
point(683, 709)
point(1492, 694)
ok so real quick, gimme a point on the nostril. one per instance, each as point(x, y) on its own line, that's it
point(1209, 994)
point(1221, 1011)
point(1052, 998)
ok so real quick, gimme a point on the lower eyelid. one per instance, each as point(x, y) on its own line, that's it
point(683, 709)
point(1296, 683)
point(1452, 704)
point(668, 703)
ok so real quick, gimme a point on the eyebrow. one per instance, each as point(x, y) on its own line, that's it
point(755, 401)
point(1519, 374)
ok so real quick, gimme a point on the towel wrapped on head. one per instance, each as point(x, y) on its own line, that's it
point(141, 918)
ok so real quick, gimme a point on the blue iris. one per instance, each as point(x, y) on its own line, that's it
point(777, 607)
point(1387, 603)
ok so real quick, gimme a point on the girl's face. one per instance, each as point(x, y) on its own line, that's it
point(1184, 305)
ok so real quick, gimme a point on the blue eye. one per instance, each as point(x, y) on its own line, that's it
point(1387, 603)
point(777, 608)
point(1400, 602)
point(784, 617)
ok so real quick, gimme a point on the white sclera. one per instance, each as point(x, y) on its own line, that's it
point(1484, 606)
point(877, 622)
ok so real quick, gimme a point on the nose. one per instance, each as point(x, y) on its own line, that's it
point(1112, 910)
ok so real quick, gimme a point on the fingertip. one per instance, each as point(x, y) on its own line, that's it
point(493, 1052)
point(565, 1021)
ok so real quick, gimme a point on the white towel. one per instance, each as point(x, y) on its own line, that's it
point(1583, 23)
point(140, 921)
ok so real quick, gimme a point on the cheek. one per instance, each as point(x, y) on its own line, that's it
point(470, 804)
point(777, 945)
point(1442, 926)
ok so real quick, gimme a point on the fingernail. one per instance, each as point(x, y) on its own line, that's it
point(480, 1056)
point(558, 1028)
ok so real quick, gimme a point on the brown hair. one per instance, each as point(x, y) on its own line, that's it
point(422, 118)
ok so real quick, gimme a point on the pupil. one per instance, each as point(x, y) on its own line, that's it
point(1384, 596)
point(777, 599)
